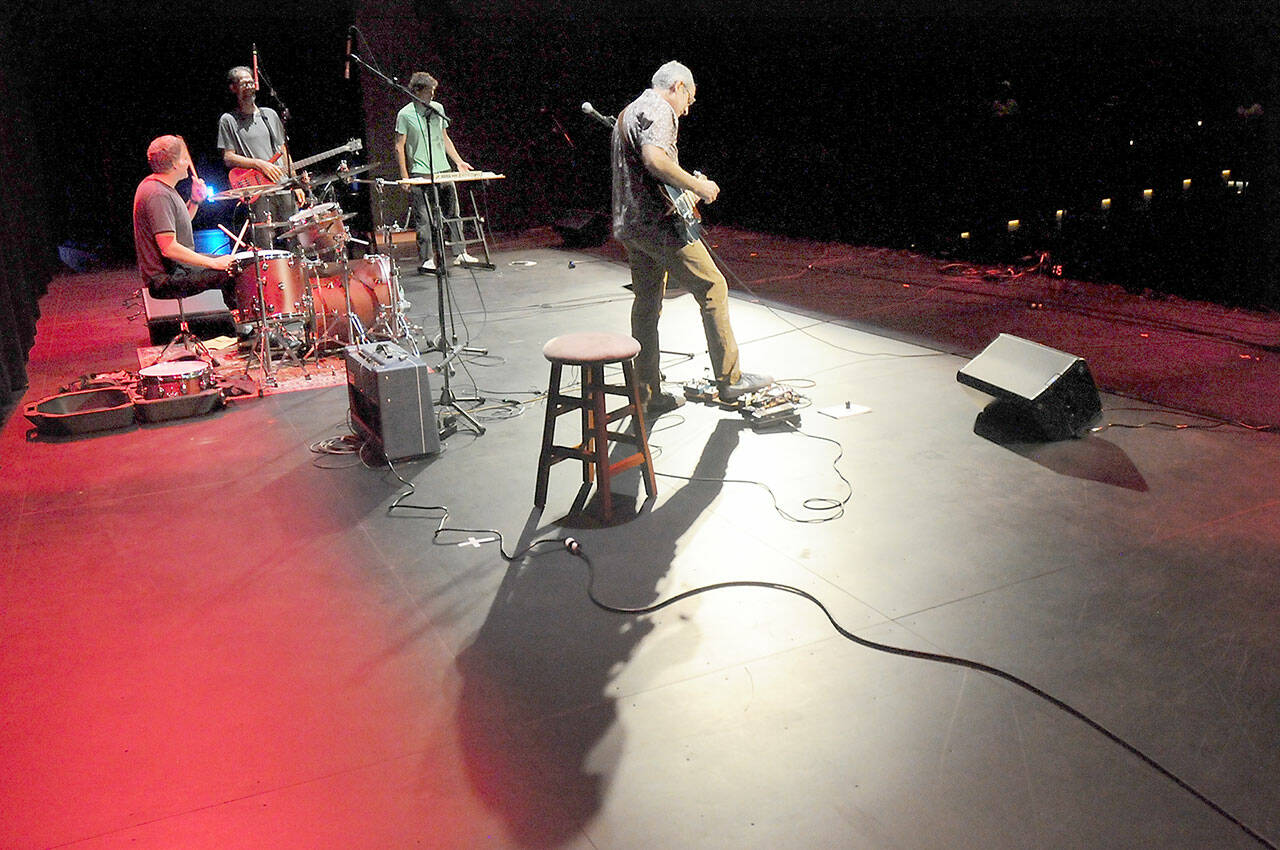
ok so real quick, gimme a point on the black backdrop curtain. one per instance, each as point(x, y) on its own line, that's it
point(27, 255)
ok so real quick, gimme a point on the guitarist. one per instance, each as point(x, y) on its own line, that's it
point(645, 161)
point(252, 137)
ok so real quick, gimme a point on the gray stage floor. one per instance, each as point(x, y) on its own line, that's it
point(214, 637)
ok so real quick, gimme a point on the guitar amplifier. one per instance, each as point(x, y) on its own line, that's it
point(390, 394)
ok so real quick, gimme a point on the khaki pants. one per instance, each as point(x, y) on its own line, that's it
point(654, 265)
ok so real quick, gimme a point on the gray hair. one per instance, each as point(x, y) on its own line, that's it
point(670, 74)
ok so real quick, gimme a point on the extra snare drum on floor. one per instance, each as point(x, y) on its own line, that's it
point(175, 378)
point(283, 285)
point(370, 293)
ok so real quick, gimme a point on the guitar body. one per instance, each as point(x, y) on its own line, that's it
point(685, 214)
point(242, 177)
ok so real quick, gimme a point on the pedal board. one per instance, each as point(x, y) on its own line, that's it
point(771, 407)
point(701, 390)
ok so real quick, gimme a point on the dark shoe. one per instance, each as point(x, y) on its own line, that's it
point(747, 383)
point(662, 403)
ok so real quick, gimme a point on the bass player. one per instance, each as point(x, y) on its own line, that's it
point(252, 141)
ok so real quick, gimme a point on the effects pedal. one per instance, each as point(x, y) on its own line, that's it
point(700, 390)
point(772, 407)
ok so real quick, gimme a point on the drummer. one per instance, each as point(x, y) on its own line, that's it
point(168, 263)
point(252, 141)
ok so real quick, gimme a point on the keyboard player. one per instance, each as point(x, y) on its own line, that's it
point(423, 147)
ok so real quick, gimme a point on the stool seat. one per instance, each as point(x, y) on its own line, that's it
point(592, 351)
point(591, 347)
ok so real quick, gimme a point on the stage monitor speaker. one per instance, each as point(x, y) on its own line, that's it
point(1055, 390)
point(582, 228)
point(390, 394)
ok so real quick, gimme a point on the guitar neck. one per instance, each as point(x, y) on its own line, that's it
point(353, 146)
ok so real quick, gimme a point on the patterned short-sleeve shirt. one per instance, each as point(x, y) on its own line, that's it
point(639, 203)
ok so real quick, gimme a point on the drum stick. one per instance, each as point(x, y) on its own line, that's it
point(234, 238)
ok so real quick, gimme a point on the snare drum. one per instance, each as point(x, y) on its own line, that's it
point(283, 285)
point(370, 293)
point(319, 229)
point(174, 378)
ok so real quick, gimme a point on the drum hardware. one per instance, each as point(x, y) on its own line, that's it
point(250, 193)
point(319, 230)
point(322, 311)
point(393, 323)
point(266, 299)
point(186, 339)
point(345, 174)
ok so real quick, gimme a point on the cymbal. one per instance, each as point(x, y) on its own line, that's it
point(333, 176)
point(270, 225)
point(315, 222)
point(235, 194)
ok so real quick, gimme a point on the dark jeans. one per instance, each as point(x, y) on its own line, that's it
point(187, 280)
point(423, 216)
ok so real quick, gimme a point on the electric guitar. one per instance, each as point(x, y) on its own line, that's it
point(684, 208)
point(243, 177)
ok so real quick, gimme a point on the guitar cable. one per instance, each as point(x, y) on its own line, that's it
point(574, 548)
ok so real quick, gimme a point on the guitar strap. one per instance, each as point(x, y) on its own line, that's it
point(271, 136)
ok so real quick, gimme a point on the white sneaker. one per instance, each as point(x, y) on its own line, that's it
point(464, 257)
point(427, 267)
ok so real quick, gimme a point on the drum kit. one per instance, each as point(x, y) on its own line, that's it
point(313, 296)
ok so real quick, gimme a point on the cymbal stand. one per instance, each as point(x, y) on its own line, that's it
point(392, 320)
point(262, 347)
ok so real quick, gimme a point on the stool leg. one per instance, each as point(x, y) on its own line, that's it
point(600, 439)
point(588, 431)
point(642, 428)
point(548, 436)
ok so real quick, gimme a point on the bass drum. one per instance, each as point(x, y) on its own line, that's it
point(370, 295)
point(282, 285)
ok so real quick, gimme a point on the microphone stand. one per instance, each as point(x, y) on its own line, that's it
point(441, 344)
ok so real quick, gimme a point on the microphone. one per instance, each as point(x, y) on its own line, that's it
point(591, 110)
point(255, 67)
point(346, 73)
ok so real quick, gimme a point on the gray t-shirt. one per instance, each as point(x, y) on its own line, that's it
point(640, 208)
point(258, 135)
point(158, 208)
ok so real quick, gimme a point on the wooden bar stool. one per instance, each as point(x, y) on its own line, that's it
point(593, 351)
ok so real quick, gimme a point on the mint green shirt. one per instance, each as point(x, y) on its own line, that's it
point(416, 123)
